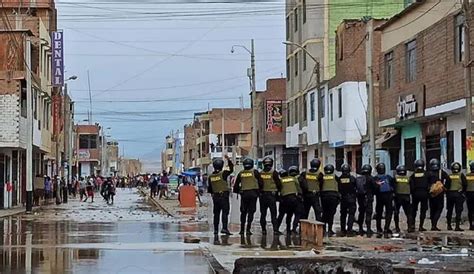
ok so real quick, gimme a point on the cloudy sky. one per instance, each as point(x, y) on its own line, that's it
point(153, 63)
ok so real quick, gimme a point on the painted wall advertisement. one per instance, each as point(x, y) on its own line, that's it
point(57, 59)
point(274, 119)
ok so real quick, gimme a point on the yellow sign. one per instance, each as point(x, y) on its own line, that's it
point(469, 150)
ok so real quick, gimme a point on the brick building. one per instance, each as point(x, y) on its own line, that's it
point(215, 133)
point(88, 150)
point(422, 82)
point(23, 21)
point(271, 124)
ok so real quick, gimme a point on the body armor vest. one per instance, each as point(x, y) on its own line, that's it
point(248, 180)
point(217, 183)
point(329, 183)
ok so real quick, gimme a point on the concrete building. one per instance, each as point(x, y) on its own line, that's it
point(88, 150)
point(271, 125)
point(129, 167)
point(19, 26)
point(312, 25)
point(422, 82)
point(216, 133)
point(112, 158)
point(167, 156)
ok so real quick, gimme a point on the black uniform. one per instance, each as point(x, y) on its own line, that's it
point(384, 197)
point(436, 203)
point(455, 187)
point(310, 185)
point(403, 200)
point(329, 197)
point(248, 184)
point(469, 190)
point(347, 189)
point(365, 200)
point(220, 197)
point(268, 198)
point(419, 188)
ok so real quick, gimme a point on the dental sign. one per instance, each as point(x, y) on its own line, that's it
point(406, 106)
point(57, 59)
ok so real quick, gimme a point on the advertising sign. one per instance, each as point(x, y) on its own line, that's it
point(83, 155)
point(274, 119)
point(57, 59)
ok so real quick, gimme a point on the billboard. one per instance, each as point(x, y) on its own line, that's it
point(57, 59)
point(274, 110)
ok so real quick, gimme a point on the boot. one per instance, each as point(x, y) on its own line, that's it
point(449, 227)
point(242, 229)
point(458, 227)
point(225, 231)
point(421, 228)
point(248, 232)
point(379, 226)
point(397, 228)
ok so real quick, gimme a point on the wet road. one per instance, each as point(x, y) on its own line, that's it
point(127, 237)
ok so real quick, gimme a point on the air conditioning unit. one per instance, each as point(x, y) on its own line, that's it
point(302, 139)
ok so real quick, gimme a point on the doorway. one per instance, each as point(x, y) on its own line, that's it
point(433, 147)
point(410, 152)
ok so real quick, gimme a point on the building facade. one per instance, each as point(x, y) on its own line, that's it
point(88, 150)
point(422, 82)
point(311, 25)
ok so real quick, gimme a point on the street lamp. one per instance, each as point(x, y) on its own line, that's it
point(316, 71)
point(251, 51)
point(73, 77)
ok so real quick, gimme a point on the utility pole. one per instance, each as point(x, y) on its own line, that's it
point(29, 130)
point(370, 89)
point(467, 76)
point(66, 144)
point(223, 133)
point(254, 98)
point(90, 98)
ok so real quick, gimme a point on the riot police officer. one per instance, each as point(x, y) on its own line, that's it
point(403, 198)
point(248, 184)
point(347, 189)
point(268, 196)
point(310, 185)
point(289, 199)
point(329, 197)
point(419, 189)
point(436, 175)
point(454, 195)
point(384, 197)
point(365, 199)
point(470, 195)
point(219, 189)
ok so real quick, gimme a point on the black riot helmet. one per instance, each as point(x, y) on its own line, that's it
point(248, 163)
point(401, 170)
point(328, 169)
point(315, 164)
point(346, 169)
point(380, 168)
point(419, 165)
point(366, 169)
point(293, 171)
point(267, 163)
point(471, 166)
point(218, 164)
point(434, 164)
point(283, 173)
point(456, 167)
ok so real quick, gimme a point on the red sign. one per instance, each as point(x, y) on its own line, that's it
point(274, 112)
point(57, 122)
point(9, 187)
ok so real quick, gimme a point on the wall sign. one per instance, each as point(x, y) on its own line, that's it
point(274, 119)
point(57, 59)
point(406, 106)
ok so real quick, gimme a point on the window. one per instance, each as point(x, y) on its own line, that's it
point(296, 64)
point(295, 104)
point(169, 145)
point(450, 146)
point(296, 19)
point(170, 157)
point(288, 123)
point(311, 106)
point(304, 159)
point(304, 11)
point(339, 102)
point(87, 141)
point(304, 58)
point(288, 28)
point(411, 61)
point(459, 38)
point(23, 98)
point(389, 70)
point(323, 104)
point(305, 107)
point(35, 104)
point(331, 107)
point(463, 148)
point(288, 71)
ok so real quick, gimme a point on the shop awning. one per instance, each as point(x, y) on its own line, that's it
point(388, 139)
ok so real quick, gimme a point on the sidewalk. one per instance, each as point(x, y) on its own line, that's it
point(11, 211)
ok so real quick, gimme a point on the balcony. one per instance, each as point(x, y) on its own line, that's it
point(201, 139)
point(219, 152)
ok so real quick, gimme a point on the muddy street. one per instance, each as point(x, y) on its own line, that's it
point(78, 237)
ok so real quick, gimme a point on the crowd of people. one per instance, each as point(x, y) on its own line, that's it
point(324, 191)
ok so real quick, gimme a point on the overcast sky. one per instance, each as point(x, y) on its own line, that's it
point(140, 52)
